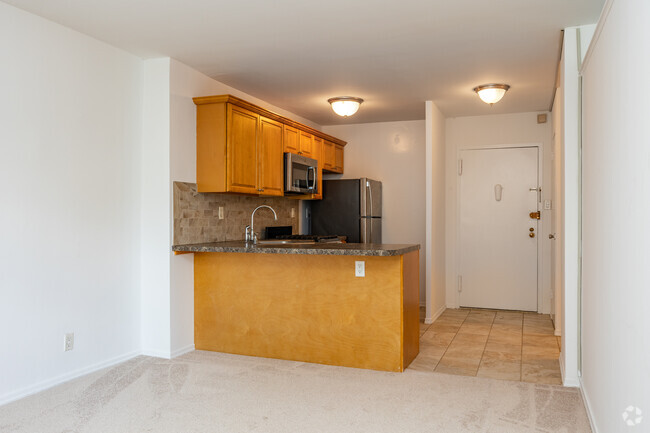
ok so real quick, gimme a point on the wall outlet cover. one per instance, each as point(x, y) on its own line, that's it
point(68, 342)
point(359, 268)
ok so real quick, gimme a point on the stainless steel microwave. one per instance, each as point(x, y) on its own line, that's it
point(300, 174)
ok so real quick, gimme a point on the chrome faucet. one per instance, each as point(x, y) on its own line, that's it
point(250, 232)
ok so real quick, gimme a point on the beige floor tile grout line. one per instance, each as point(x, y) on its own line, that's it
point(452, 340)
point(485, 345)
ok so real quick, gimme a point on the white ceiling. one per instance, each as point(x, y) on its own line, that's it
point(395, 54)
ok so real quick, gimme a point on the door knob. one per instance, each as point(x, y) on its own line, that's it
point(531, 234)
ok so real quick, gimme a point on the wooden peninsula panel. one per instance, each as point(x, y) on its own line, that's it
point(309, 308)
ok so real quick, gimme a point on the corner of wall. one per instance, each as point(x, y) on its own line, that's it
point(436, 299)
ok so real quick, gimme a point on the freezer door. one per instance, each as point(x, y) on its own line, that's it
point(338, 212)
point(370, 194)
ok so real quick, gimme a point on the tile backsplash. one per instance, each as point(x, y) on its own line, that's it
point(196, 215)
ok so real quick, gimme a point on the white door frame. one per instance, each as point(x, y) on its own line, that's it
point(541, 228)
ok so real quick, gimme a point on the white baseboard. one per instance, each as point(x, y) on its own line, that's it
point(49, 383)
point(568, 382)
point(590, 414)
point(430, 320)
point(183, 350)
point(154, 353)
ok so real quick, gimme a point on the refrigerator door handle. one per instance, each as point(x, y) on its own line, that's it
point(370, 195)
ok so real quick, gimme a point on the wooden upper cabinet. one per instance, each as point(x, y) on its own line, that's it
point(291, 139)
point(317, 150)
point(238, 151)
point(332, 157)
point(241, 150)
point(306, 144)
point(240, 147)
point(338, 159)
point(328, 155)
point(270, 158)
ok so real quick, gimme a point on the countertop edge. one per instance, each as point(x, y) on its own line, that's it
point(382, 250)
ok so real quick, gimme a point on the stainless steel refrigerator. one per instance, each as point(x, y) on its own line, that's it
point(350, 207)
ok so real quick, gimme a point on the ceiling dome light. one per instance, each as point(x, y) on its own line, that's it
point(345, 105)
point(491, 93)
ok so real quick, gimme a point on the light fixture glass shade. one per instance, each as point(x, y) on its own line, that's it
point(491, 93)
point(345, 105)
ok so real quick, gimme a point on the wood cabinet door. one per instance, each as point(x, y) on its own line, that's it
point(306, 144)
point(328, 155)
point(241, 150)
point(270, 158)
point(317, 150)
point(338, 159)
point(291, 139)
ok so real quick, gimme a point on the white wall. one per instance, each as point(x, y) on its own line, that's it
point(70, 124)
point(484, 132)
point(435, 212)
point(615, 229)
point(393, 153)
point(155, 232)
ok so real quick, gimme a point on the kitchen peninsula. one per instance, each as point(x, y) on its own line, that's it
point(304, 302)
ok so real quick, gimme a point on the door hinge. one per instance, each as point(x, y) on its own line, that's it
point(460, 167)
point(460, 283)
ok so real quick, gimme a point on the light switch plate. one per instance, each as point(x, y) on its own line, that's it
point(220, 212)
point(359, 268)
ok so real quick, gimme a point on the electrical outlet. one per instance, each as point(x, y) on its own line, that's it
point(359, 269)
point(293, 212)
point(220, 212)
point(68, 342)
point(547, 204)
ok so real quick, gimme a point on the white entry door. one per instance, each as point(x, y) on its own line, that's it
point(498, 238)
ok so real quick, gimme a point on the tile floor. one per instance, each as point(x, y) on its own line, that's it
point(497, 344)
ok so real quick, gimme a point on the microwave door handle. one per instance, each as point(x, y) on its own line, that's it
point(309, 186)
point(313, 187)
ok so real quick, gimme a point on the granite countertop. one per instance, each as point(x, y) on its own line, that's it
point(322, 248)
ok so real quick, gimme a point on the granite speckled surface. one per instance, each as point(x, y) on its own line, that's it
point(330, 249)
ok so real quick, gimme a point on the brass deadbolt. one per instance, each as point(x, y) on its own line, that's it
point(531, 229)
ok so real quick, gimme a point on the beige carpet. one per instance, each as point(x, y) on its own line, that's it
point(212, 392)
